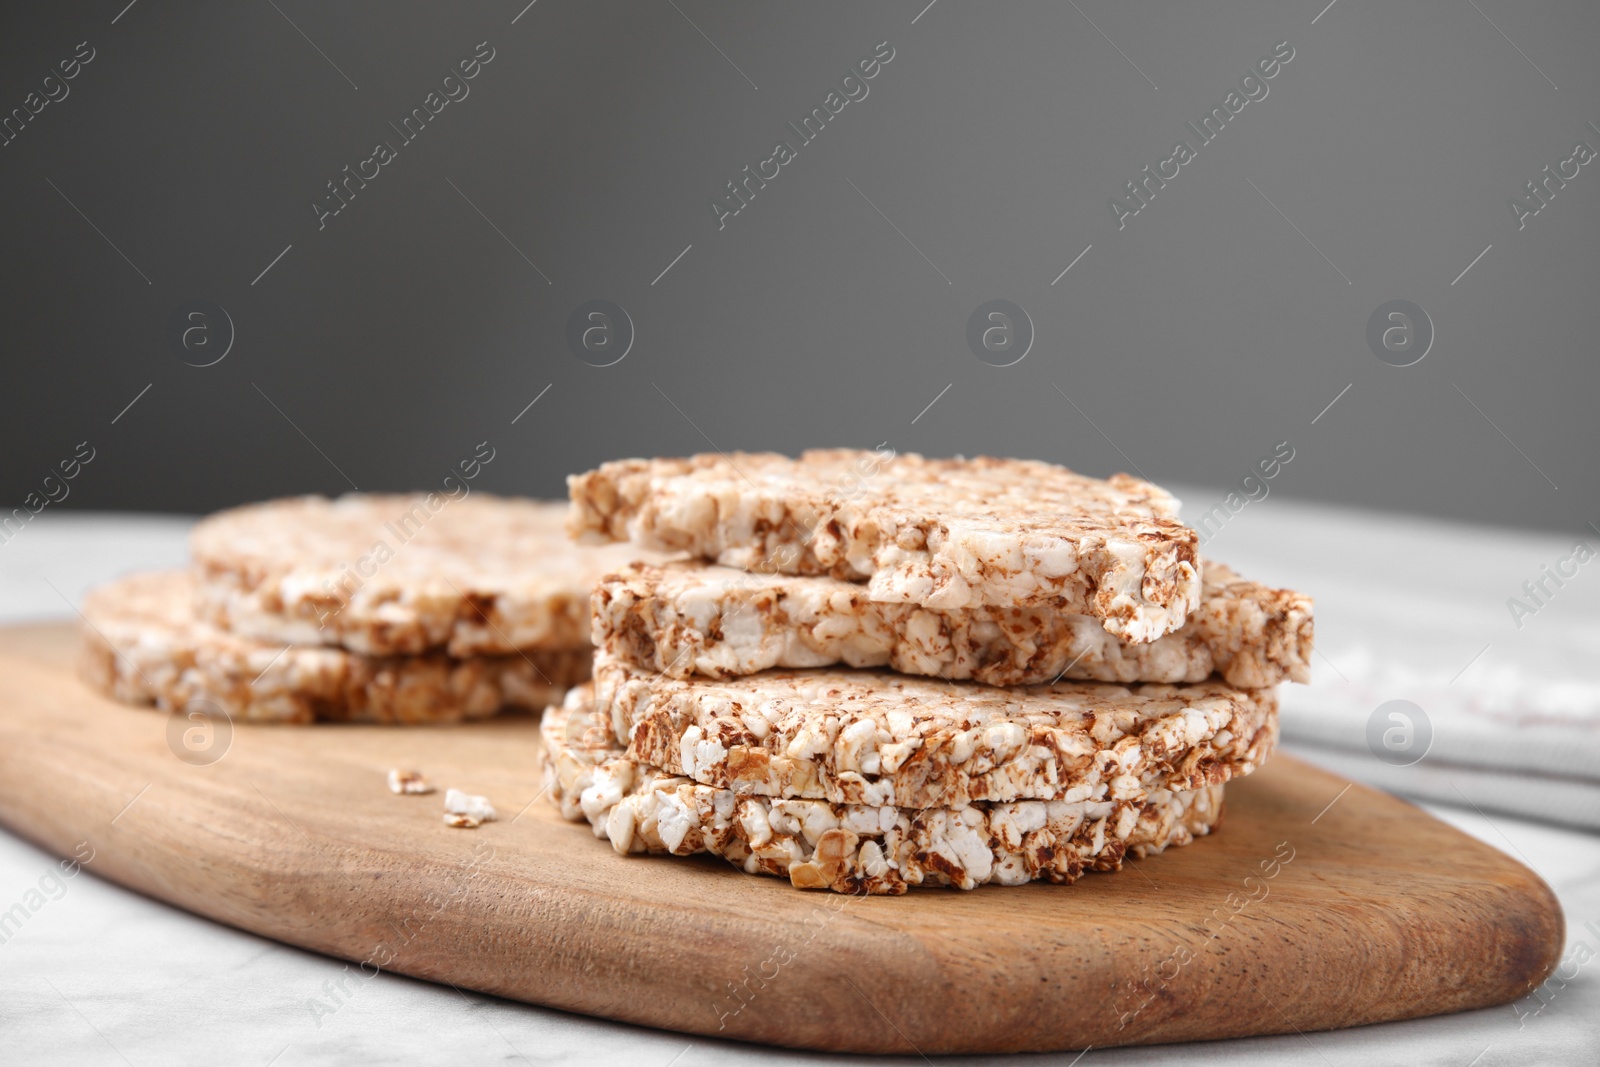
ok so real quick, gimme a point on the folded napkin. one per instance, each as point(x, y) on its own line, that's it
point(1517, 730)
point(1492, 634)
point(1569, 801)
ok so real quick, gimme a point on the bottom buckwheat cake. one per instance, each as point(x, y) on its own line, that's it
point(853, 848)
point(142, 645)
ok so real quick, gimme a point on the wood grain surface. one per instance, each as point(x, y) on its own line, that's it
point(1319, 904)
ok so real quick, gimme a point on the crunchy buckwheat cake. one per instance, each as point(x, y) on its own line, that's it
point(386, 574)
point(876, 738)
point(853, 848)
point(143, 645)
point(689, 618)
point(940, 533)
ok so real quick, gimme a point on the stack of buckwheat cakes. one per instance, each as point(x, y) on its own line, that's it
point(372, 608)
point(876, 671)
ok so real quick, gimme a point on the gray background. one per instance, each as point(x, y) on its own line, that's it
point(379, 350)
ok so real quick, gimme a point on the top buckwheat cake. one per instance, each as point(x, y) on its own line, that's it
point(941, 533)
point(401, 574)
point(690, 618)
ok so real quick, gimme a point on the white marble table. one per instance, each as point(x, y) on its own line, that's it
point(102, 975)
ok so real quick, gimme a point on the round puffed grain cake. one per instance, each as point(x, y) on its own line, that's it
point(941, 533)
point(401, 574)
point(877, 738)
point(142, 645)
point(694, 619)
point(853, 848)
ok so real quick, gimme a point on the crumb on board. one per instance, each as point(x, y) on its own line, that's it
point(465, 810)
point(402, 781)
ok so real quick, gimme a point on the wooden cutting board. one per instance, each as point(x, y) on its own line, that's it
point(1319, 904)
